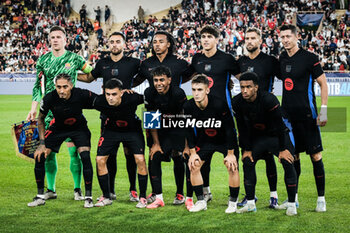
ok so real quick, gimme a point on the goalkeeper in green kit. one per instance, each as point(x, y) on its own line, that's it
point(48, 67)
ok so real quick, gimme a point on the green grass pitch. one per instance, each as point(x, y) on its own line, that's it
point(17, 188)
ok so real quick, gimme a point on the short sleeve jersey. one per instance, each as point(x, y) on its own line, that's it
point(265, 66)
point(124, 70)
point(219, 69)
point(211, 137)
point(170, 103)
point(179, 68)
point(260, 118)
point(298, 74)
point(49, 66)
point(68, 113)
point(121, 118)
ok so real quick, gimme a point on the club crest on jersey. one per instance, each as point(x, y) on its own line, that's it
point(67, 66)
point(288, 68)
point(250, 69)
point(115, 72)
point(207, 67)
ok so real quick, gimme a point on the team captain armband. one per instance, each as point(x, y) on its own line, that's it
point(86, 68)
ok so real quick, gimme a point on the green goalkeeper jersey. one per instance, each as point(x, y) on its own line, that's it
point(48, 67)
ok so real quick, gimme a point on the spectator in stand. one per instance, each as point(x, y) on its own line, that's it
point(82, 14)
point(98, 14)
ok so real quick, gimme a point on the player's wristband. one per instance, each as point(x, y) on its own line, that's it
point(323, 113)
point(42, 142)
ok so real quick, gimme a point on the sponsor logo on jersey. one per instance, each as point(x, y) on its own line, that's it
point(211, 82)
point(288, 84)
point(67, 66)
point(121, 123)
point(211, 132)
point(260, 126)
point(70, 121)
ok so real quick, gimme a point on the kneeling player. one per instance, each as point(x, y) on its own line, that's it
point(66, 104)
point(122, 125)
point(219, 136)
point(262, 130)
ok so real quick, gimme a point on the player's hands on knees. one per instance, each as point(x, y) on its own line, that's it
point(39, 151)
point(185, 152)
point(230, 162)
point(154, 149)
point(248, 154)
point(31, 115)
point(194, 161)
point(286, 155)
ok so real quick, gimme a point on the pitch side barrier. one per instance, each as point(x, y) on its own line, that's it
point(22, 84)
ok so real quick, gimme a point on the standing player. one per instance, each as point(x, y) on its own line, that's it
point(218, 66)
point(266, 67)
point(66, 104)
point(165, 144)
point(262, 132)
point(124, 68)
point(163, 49)
point(121, 125)
point(204, 141)
point(48, 67)
point(299, 71)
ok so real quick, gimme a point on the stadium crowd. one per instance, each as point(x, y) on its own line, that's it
point(24, 28)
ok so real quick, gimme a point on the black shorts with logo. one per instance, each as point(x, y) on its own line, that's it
point(55, 137)
point(110, 140)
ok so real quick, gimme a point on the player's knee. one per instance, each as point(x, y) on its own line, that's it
point(140, 161)
point(197, 167)
point(101, 162)
point(316, 157)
